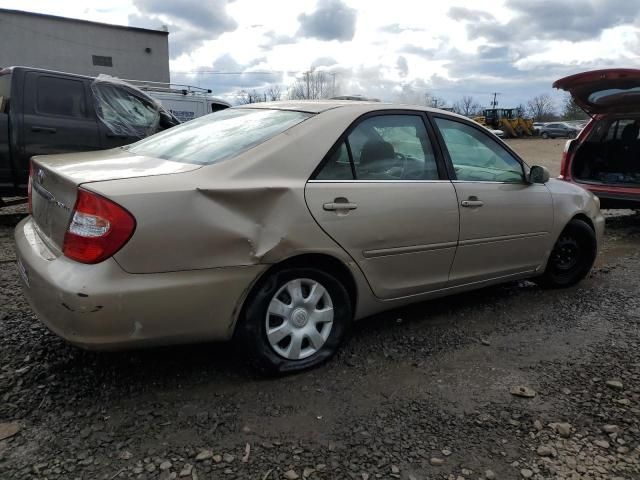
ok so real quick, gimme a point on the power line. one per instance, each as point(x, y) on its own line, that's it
point(215, 72)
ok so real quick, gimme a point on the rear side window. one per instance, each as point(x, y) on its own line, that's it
point(617, 127)
point(218, 136)
point(61, 96)
point(384, 147)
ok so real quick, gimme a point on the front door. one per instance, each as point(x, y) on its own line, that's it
point(383, 195)
point(505, 222)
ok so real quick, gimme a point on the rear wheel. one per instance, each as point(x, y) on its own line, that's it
point(572, 256)
point(295, 320)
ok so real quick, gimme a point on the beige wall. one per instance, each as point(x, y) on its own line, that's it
point(68, 45)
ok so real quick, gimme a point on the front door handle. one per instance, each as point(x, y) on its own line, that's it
point(472, 202)
point(340, 204)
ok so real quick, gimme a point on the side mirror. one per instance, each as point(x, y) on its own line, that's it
point(538, 174)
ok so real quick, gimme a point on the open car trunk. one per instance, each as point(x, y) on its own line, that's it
point(611, 153)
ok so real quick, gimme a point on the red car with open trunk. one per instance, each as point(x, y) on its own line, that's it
point(605, 157)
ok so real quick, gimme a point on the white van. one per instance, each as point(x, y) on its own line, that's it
point(185, 102)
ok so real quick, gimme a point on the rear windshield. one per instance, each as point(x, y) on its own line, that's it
point(217, 136)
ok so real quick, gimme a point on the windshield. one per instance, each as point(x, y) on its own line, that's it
point(219, 135)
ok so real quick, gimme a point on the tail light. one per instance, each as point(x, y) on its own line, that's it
point(98, 228)
point(30, 187)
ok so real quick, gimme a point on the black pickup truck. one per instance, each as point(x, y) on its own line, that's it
point(44, 112)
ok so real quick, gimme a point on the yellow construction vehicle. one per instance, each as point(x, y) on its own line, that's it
point(507, 120)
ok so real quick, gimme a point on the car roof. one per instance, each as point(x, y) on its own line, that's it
point(319, 106)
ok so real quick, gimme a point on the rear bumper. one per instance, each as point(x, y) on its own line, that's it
point(611, 197)
point(103, 307)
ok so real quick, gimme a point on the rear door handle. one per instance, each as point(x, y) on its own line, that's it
point(472, 203)
point(332, 206)
point(36, 128)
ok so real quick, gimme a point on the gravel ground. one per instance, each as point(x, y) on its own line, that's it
point(417, 393)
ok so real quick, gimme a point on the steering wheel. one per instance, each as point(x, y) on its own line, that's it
point(393, 171)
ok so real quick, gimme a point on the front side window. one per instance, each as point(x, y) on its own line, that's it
point(60, 96)
point(215, 137)
point(476, 157)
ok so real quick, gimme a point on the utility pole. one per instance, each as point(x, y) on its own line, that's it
point(494, 102)
point(307, 74)
point(333, 84)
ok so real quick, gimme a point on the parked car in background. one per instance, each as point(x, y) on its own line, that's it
point(44, 112)
point(281, 223)
point(558, 129)
point(537, 126)
point(605, 158)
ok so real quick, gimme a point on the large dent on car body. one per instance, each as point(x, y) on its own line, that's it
point(262, 216)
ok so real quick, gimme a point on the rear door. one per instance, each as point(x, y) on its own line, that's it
point(57, 116)
point(383, 195)
point(505, 222)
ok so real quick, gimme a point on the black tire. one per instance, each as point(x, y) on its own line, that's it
point(252, 328)
point(572, 256)
point(545, 135)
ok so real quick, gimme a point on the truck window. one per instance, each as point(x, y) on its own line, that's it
point(5, 91)
point(119, 106)
point(60, 96)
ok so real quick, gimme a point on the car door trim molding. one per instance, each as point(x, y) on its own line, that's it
point(384, 252)
point(502, 238)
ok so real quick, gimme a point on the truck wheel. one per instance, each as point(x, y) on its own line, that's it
point(572, 256)
point(295, 320)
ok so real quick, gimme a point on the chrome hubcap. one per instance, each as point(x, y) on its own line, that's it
point(299, 319)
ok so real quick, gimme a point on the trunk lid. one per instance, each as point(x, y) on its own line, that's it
point(55, 181)
point(615, 90)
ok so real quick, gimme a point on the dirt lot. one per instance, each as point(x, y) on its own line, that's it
point(417, 393)
point(538, 151)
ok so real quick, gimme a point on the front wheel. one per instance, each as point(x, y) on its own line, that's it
point(572, 256)
point(545, 135)
point(296, 319)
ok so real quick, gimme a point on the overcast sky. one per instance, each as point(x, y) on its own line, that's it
point(381, 49)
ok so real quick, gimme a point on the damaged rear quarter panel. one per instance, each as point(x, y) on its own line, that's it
point(246, 210)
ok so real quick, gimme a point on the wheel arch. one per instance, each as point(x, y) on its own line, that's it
point(321, 261)
point(585, 218)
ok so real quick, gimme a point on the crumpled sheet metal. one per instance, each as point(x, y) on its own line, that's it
point(262, 220)
point(119, 106)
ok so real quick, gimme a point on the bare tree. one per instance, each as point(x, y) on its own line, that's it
point(313, 85)
point(245, 97)
point(467, 106)
point(541, 108)
point(434, 101)
point(571, 110)
point(273, 92)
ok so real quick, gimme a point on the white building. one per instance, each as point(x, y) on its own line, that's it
point(83, 47)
